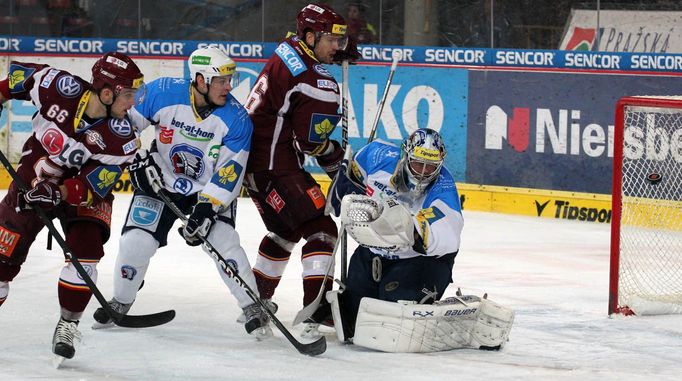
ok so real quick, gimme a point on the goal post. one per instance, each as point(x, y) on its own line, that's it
point(646, 223)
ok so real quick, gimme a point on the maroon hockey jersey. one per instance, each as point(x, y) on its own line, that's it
point(65, 143)
point(294, 109)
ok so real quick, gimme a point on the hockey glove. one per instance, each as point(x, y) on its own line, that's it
point(199, 223)
point(345, 182)
point(45, 195)
point(331, 160)
point(351, 52)
point(145, 174)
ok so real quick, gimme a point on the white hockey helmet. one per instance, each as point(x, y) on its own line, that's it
point(422, 157)
point(212, 62)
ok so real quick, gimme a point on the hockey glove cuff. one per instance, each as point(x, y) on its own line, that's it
point(145, 174)
point(331, 161)
point(45, 195)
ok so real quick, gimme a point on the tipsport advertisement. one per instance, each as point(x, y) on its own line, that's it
point(548, 130)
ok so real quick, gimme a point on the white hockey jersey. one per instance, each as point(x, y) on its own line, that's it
point(437, 214)
point(196, 155)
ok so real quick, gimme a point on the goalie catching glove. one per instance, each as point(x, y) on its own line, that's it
point(383, 224)
point(145, 174)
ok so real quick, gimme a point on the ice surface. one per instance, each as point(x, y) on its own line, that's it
point(554, 273)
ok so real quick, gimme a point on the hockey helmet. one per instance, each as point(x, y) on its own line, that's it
point(320, 18)
point(118, 71)
point(212, 62)
point(422, 157)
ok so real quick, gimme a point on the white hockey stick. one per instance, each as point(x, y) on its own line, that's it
point(308, 310)
point(396, 57)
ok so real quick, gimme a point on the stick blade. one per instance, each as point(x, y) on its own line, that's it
point(145, 321)
point(306, 312)
point(315, 348)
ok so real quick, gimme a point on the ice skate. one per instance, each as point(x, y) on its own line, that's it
point(272, 306)
point(257, 320)
point(311, 330)
point(311, 326)
point(102, 320)
point(65, 334)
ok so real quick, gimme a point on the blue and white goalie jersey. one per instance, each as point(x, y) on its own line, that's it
point(437, 214)
point(206, 155)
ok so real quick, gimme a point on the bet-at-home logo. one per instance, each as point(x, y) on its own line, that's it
point(192, 132)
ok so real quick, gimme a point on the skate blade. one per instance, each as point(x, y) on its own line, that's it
point(57, 361)
point(241, 319)
point(312, 334)
point(262, 333)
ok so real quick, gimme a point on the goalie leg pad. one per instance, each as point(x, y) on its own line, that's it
point(341, 323)
point(410, 327)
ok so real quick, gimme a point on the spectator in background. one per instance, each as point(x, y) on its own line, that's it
point(358, 27)
point(77, 23)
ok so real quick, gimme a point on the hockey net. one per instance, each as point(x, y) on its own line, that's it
point(646, 224)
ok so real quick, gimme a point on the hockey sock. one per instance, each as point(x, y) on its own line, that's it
point(273, 256)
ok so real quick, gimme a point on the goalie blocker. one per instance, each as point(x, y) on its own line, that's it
point(457, 322)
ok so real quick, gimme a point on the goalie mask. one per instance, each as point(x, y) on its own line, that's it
point(421, 159)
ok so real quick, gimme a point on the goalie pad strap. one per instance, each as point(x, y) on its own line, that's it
point(470, 322)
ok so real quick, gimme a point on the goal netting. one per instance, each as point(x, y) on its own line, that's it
point(646, 225)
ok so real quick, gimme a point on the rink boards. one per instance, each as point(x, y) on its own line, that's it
point(527, 132)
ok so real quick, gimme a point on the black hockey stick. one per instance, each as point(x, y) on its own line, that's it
point(311, 349)
point(344, 143)
point(129, 321)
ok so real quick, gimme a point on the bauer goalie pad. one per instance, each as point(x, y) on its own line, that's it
point(457, 322)
point(384, 224)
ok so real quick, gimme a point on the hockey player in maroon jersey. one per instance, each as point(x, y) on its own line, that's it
point(294, 108)
point(81, 143)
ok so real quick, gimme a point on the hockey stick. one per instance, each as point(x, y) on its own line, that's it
point(310, 309)
point(311, 349)
point(129, 321)
point(342, 242)
point(343, 236)
point(394, 64)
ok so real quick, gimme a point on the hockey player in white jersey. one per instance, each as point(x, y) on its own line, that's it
point(402, 206)
point(201, 146)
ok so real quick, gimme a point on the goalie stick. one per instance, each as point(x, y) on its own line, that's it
point(315, 348)
point(389, 80)
point(128, 321)
point(342, 242)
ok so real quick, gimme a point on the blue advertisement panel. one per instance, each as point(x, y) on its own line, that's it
point(548, 130)
point(469, 57)
point(419, 97)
